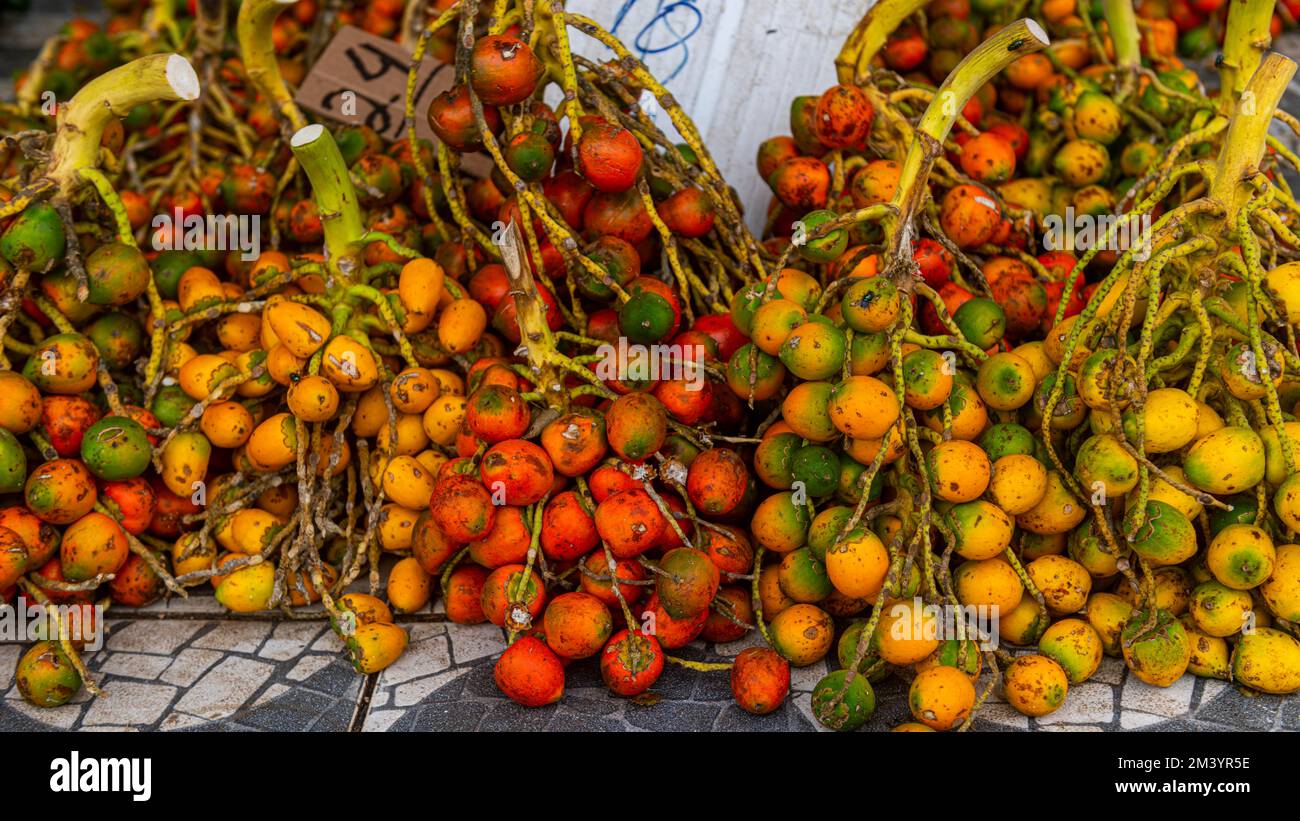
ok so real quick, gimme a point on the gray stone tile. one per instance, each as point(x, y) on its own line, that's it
point(377, 721)
point(507, 716)
point(676, 717)
point(134, 665)
point(336, 719)
point(1239, 711)
point(130, 703)
point(149, 636)
point(1086, 703)
point(335, 679)
point(475, 641)
point(733, 720)
point(191, 663)
point(234, 636)
point(567, 721)
point(448, 717)
point(416, 691)
point(225, 688)
point(289, 639)
point(9, 655)
point(307, 665)
point(58, 718)
point(292, 712)
point(420, 659)
point(1167, 702)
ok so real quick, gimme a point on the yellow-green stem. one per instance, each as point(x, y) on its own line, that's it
point(253, 28)
point(166, 77)
point(1244, 144)
point(1246, 39)
point(336, 199)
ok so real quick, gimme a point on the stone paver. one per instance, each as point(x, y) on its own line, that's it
point(225, 688)
point(131, 703)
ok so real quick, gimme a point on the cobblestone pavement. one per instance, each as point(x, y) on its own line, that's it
point(186, 666)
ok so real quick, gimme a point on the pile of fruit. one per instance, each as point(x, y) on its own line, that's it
point(921, 419)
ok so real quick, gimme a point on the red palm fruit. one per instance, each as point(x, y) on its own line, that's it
point(569, 193)
point(728, 548)
point(14, 558)
point(169, 510)
point(451, 116)
point(529, 673)
point(609, 157)
point(682, 517)
point(803, 113)
point(577, 625)
point(506, 318)
point(631, 663)
point(669, 631)
point(620, 214)
point(905, 50)
point(969, 215)
point(503, 70)
point(511, 596)
point(1015, 135)
point(802, 183)
point(736, 602)
point(843, 117)
point(489, 285)
point(1059, 264)
point(688, 582)
point(65, 420)
point(131, 501)
point(53, 571)
point(568, 530)
point(495, 414)
point(688, 213)
point(462, 508)
point(135, 584)
point(41, 538)
point(248, 190)
point(988, 158)
point(627, 571)
point(934, 260)
point(716, 482)
point(506, 543)
point(636, 425)
point(760, 680)
point(607, 480)
point(518, 471)
point(429, 546)
point(304, 222)
point(575, 442)
point(723, 331)
point(772, 152)
point(630, 523)
point(688, 401)
point(1023, 300)
point(464, 594)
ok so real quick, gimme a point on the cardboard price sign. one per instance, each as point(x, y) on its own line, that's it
point(360, 79)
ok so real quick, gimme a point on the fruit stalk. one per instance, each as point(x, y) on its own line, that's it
point(1246, 39)
point(1122, 23)
point(853, 63)
point(1244, 144)
point(253, 28)
point(335, 197)
point(158, 77)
